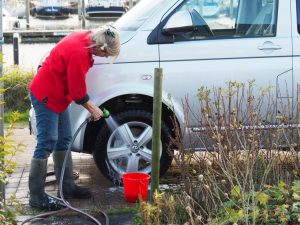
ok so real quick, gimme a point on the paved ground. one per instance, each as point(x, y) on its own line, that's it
point(106, 196)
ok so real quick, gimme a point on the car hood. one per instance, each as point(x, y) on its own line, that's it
point(126, 36)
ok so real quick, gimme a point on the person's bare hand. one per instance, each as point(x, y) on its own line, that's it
point(96, 112)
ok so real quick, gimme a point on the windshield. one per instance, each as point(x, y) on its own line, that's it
point(136, 16)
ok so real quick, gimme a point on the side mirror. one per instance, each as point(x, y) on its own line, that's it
point(179, 22)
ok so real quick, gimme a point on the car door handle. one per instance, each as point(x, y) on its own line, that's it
point(269, 46)
point(146, 77)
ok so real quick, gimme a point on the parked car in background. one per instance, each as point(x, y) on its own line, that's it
point(261, 42)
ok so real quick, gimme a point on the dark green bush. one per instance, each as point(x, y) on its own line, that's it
point(16, 83)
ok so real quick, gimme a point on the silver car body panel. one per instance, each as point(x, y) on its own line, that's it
point(188, 65)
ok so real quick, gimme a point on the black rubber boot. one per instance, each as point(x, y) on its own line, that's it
point(37, 196)
point(70, 189)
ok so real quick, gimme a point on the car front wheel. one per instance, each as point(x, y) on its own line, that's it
point(124, 144)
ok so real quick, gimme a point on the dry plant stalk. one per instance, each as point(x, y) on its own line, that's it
point(161, 211)
point(246, 142)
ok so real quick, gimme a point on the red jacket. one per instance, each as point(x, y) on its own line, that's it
point(61, 78)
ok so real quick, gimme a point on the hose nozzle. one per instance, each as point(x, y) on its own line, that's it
point(106, 113)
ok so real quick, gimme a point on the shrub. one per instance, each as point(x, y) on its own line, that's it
point(275, 204)
point(163, 210)
point(244, 172)
point(16, 84)
point(8, 151)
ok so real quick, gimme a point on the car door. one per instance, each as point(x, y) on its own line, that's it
point(242, 41)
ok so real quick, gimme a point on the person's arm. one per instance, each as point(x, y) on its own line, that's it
point(96, 113)
point(77, 86)
point(77, 67)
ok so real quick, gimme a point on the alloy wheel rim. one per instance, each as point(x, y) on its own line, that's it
point(129, 148)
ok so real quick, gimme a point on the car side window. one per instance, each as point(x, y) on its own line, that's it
point(227, 19)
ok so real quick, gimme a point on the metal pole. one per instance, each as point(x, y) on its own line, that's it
point(156, 135)
point(27, 8)
point(16, 48)
point(231, 9)
point(130, 4)
point(2, 185)
point(201, 7)
point(83, 14)
point(79, 10)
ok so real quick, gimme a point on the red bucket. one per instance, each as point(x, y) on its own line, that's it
point(135, 184)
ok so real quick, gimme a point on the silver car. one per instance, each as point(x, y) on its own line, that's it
point(257, 39)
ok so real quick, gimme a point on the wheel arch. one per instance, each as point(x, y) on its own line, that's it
point(171, 111)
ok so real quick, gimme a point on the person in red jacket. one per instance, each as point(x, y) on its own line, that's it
point(59, 81)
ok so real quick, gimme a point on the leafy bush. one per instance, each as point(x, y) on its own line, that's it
point(8, 213)
point(275, 204)
point(163, 210)
point(16, 85)
point(8, 151)
point(250, 158)
point(23, 117)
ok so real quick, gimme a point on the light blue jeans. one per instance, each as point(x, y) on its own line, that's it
point(53, 129)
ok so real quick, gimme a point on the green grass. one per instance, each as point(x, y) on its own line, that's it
point(123, 210)
point(23, 119)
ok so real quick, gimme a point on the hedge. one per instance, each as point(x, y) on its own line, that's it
point(16, 83)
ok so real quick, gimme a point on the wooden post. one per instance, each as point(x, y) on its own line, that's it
point(298, 113)
point(156, 135)
point(298, 104)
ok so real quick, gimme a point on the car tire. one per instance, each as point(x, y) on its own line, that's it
point(128, 147)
